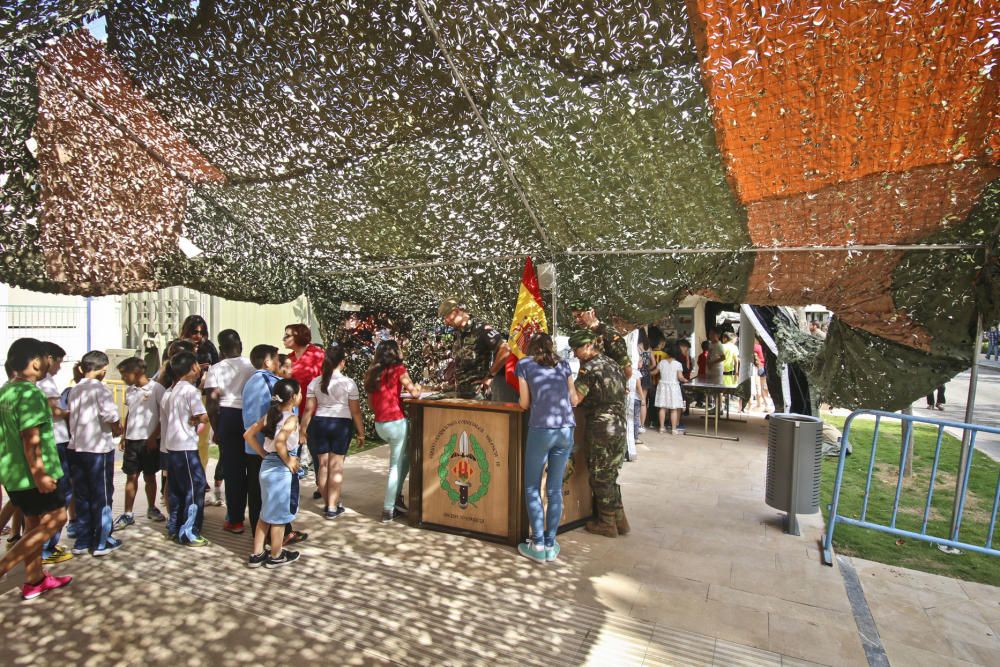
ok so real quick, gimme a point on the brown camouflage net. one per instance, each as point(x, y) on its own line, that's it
point(114, 174)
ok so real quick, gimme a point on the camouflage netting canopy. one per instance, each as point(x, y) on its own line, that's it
point(389, 152)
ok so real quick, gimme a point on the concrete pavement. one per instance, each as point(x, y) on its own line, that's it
point(987, 405)
point(707, 577)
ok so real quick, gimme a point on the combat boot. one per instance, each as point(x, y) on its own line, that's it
point(604, 526)
point(621, 523)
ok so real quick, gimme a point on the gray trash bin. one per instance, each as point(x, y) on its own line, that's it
point(794, 456)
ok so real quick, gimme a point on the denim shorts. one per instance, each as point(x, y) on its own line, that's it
point(330, 435)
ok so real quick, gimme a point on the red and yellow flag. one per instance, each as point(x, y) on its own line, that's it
point(529, 318)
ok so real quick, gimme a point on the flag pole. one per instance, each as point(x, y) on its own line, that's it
point(555, 298)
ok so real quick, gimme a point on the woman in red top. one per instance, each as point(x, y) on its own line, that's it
point(307, 358)
point(307, 364)
point(759, 376)
point(384, 382)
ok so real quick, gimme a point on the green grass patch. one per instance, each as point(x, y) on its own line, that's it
point(912, 553)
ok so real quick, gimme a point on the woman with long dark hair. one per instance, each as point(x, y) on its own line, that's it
point(280, 427)
point(194, 329)
point(547, 389)
point(385, 381)
point(333, 407)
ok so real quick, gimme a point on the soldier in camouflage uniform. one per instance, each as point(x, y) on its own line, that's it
point(479, 353)
point(601, 386)
point(607, 340)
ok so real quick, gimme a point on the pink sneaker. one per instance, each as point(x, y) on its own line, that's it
point(48, 583)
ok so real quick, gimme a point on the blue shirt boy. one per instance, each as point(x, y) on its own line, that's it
point(257, 401)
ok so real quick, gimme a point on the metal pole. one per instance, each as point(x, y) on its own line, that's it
point(90, 342)
point(906, 462)
point(970, 407)
point(555, 297)
point(791, 520)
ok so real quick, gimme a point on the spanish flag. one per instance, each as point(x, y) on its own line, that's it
point(529, 318)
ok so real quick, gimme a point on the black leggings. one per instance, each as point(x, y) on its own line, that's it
point(940, 397)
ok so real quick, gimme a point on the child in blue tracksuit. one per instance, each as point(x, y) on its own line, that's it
point(182, 415)
point(93, 424)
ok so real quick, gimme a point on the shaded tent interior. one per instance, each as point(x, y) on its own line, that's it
point(392, 152)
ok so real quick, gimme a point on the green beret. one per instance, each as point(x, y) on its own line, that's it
point(581, 337)
point(581, 304)
point(450, 304)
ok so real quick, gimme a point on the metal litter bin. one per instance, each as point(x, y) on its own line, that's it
point(794, 457)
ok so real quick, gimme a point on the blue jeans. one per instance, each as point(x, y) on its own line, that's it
point(993, 349)
point(550, 446)
point(394, 433)
point(65, 487)
point(93, 490)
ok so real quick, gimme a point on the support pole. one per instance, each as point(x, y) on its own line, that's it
point(555, 299)
point(963, 463)
point(791, 519)
point(90, 323)
point(906, 464)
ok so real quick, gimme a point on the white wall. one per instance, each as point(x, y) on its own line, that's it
point(62, 319)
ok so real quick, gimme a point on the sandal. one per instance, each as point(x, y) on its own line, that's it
point(294, 537)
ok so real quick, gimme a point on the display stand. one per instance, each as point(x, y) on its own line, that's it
point(467, 470)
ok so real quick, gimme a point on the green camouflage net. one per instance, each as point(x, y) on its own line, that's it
point(357, 169)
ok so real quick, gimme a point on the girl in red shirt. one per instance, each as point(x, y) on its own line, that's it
point(385, 381)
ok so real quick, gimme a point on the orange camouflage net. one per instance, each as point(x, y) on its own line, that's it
point(808, 95)
point(833, 133)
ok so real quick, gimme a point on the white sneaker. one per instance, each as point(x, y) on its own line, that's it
point(217, 496)
point(642, 429)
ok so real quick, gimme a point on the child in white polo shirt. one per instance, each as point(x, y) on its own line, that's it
point(93, 425)
point(141, 444)
point(183, 413)
point(53, 553)
point(223, 389)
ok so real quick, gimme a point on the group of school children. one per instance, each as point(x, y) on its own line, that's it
point(57, 451)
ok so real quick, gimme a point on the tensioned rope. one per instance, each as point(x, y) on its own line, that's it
point(432, 27)
point(667, 251)
point(885, 247)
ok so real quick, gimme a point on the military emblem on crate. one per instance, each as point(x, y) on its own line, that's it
point(570, 469)
point(464, 470)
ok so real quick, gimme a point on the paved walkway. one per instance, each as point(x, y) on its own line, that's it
point(707, 577)
point(987, 407)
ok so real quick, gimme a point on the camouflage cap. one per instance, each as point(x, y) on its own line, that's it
point(580, 304)
point(450, 304)
point(581, 337)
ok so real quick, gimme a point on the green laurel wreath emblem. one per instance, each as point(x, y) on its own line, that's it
point(484, 470)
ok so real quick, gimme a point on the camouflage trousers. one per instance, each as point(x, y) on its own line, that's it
point(605, 460)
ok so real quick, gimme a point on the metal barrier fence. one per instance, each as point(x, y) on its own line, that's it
point(953, 540)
